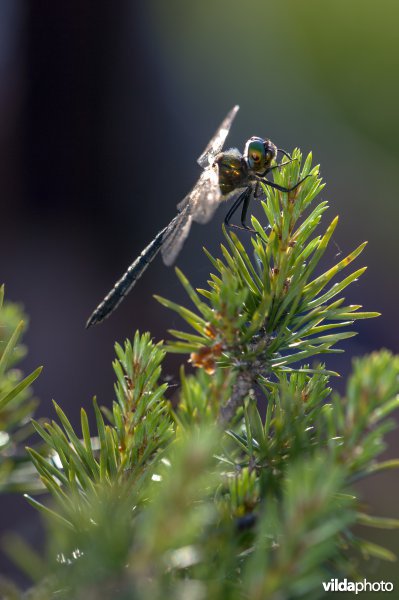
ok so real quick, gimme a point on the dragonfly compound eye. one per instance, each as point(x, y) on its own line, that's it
point(255, 153)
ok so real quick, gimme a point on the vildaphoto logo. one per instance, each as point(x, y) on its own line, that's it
point(335, 585)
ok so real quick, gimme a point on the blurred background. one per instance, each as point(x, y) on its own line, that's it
point(104, 108)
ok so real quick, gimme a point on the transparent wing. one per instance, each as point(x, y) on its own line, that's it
point(175, 236)
point(204, 197)
point(216, 143)
point(199, 205)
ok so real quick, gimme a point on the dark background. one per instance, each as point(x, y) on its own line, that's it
point(104, 108)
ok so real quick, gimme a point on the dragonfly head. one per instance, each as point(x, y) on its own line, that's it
point(259, 153)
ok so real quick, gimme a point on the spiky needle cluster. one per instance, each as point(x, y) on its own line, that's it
point(263, 315)
point(243, 489)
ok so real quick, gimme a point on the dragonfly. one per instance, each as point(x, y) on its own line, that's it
point(229, 175)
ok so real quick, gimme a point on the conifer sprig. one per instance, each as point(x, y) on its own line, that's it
point(139, 431)
point(245, 487)
point(269, 307)
point(274, 504)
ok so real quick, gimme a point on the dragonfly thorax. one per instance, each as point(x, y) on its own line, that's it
point(259, 154)
point(232, 170)
point(225, 175)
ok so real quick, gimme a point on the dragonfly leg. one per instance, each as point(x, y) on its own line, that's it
point(284, 152)
point(287, 162)
point(244, 199)
point(280, 187)
point(234, 208)
point(244, 211)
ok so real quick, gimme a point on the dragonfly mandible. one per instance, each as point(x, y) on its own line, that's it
point(225, 176)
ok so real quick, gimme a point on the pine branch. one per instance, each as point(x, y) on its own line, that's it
point(126, 449)
point(263, 314)
point(211, 498)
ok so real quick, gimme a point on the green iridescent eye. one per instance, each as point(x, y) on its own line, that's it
point(255, 153)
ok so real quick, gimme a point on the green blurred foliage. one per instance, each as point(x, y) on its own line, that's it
point(269, 53)
point(354, 48)
point(16, 402)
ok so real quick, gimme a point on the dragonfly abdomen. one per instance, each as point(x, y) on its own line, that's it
point(127, 281)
